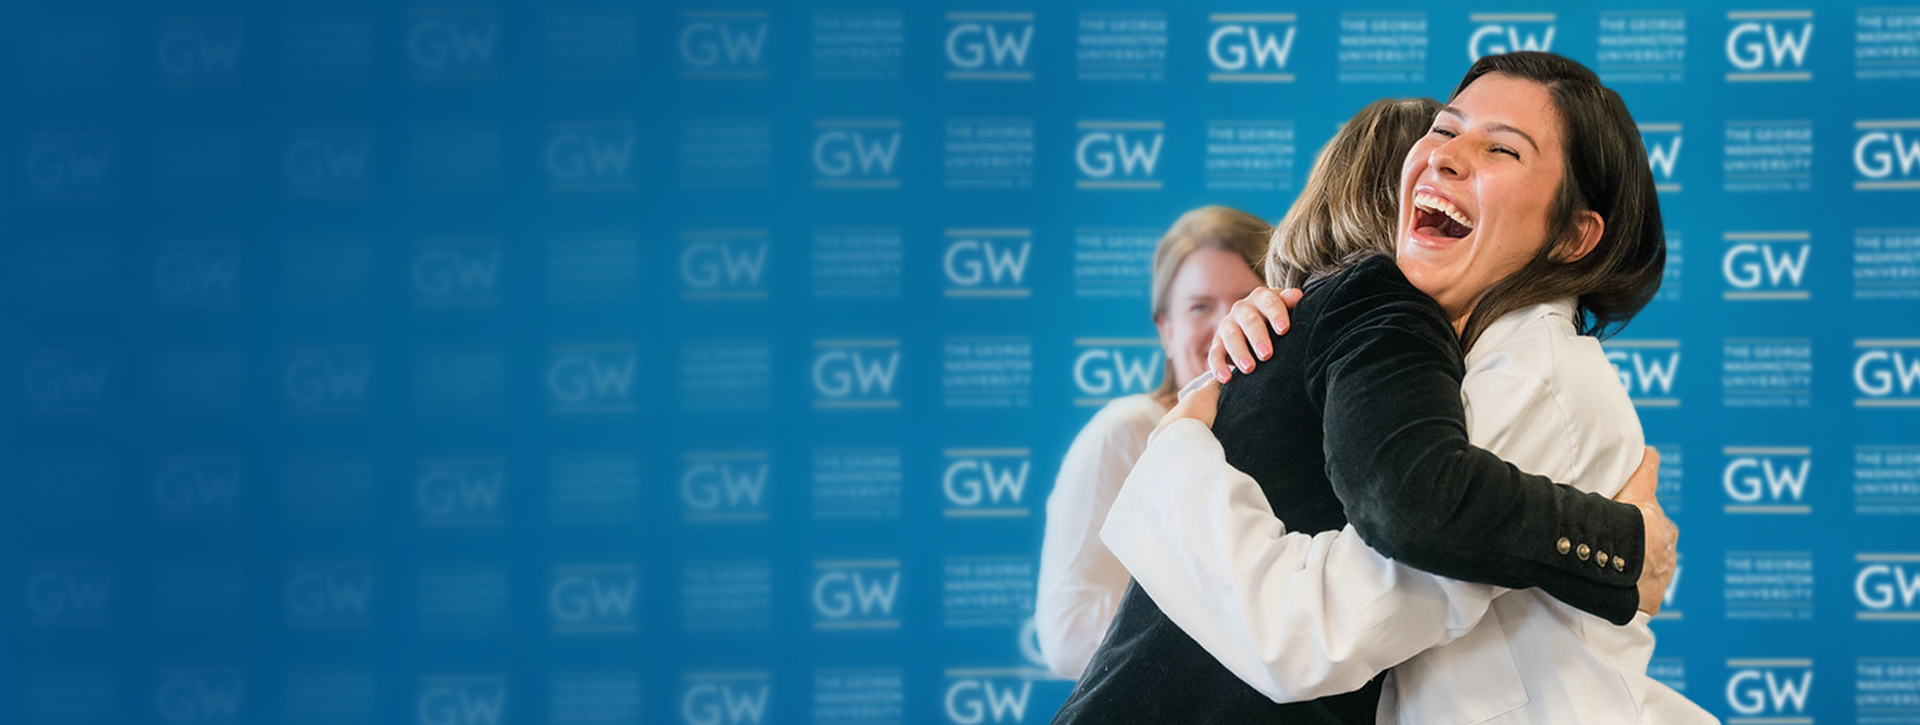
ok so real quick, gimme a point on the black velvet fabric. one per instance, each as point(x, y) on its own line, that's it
point(1358, 417)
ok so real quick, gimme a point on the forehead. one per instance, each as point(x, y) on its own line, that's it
point(1497, 98)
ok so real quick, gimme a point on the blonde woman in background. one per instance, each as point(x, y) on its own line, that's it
point(1208, 260)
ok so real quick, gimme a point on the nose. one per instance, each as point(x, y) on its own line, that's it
point(1448, 160)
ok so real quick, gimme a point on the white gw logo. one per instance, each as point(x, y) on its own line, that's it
point(452, 44)
point(722, 44)
point(460, 491)
point(1506, 33)
point(982, 696)
point(1887, 373)
point(1766, 265)
point(988, 46)
point(1883, 152)
point(200, 698)
point(592, 378)
point(328, 378)
point(1767, 480)
point(182, 487)
point(1110, 368)
point(855, 154)
point(987, 262)
point(1118, 154)
point(855, 594)
point(723, 264)
point(589, 156)
point(70, 164)
point(1887, 586)
point(327, 161)
point(1761, 49)
point(1663, 152)
point(1646, 369)
point(196, 272)
point(201, 51)
point(69, 594)
point(593, 598)
point(336, 594)
point(455, 272)
point(855, 373)
point(1769, 687)
point(986, 481)
point(57, 378)
point(725, 698)
point(461, 701)
point(724, 486)
point(1251, 48)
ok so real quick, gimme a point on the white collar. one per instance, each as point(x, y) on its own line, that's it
point(1496, 335)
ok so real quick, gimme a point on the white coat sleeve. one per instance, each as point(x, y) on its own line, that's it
point(1295, 616)
point(1081, 583)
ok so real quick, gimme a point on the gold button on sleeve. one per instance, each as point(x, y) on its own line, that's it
point(1583, 552)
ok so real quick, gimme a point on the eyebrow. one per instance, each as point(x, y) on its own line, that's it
point(1496, 127)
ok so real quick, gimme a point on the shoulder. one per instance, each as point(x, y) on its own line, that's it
point(1123, 423)
point(1369, 290)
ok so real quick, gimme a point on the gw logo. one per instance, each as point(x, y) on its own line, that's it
point(722, 44)
point(329, 595)
point(1887, 373)
point(1504, 33)
point(327, 161)
point(452, 44)
point(593, 599)
point(1646, 369)
point(855, 594)
point(1663, 151)
point(1766, 265)
point(724, 698)
point(987, 262)
point(1767, 480)
point(328, 380)
point(1760, 48)
point(200, 51)
point(723, 264)
point(723, 486)
point(1106, 150)
point(1887, 586)
point(1109, 368)
point(200, 696)
point(589, 156)
point(986, 481)
point(461, 700)
point(1251, 48)
point(987, 695)
point(855, 154)
point(592, 378)
point(1668, 610)
point(1883, 152)
point(1769, 687)
point(198, 487)
point(451, 272)
point(855, 373)
point(67, 380)
point(460, 491)
point(69, 164)
point(188, 272)
point(60, 594)
point(988, 46)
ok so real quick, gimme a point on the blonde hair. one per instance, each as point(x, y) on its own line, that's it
point(1350, 204)
point(1208, 227)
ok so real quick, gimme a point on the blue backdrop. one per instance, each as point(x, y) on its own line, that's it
point(490, 363)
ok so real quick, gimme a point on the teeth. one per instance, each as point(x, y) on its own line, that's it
point(1433, 203)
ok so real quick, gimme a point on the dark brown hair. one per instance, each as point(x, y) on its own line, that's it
point(1347, 210)
point(1607, 173)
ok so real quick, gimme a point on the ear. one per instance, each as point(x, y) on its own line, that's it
point(1166, 331)
point(1588, 227)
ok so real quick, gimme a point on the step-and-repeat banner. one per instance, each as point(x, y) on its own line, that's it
point(487, 363)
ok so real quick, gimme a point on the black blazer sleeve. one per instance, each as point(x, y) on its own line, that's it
point(1385, 368)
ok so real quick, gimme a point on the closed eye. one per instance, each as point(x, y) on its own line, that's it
point(1507, 151)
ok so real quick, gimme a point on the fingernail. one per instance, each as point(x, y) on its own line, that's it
point(1280, 328)
point(1263, 351)
point(1222, 375)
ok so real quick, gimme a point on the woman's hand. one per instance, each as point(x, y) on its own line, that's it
point(1656, 573)
point(1242, 334)
point(1200, 400)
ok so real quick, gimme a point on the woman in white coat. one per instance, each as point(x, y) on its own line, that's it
point(1299, 617)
